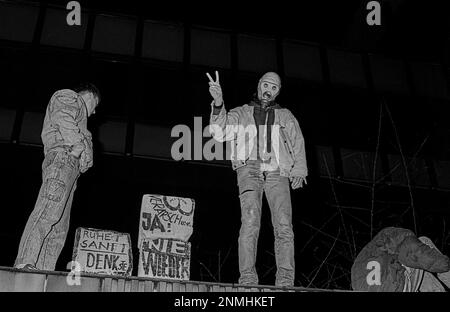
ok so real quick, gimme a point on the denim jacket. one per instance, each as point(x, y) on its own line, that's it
point(238, 126)
point(65, 124)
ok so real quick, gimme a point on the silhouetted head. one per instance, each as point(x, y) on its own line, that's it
point(90, 95)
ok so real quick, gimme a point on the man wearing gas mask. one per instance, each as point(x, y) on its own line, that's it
point(268, 152)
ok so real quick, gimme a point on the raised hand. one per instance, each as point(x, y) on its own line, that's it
point(215, 90)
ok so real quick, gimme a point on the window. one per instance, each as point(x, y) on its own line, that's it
point(256, 54)
point(309, 105)
point(56, 32)
point(163, 42)
point(359, 165)
point(31, 128)
point(17, 22)
point(417, 170)
point(246, 87)
point(210, 48)
point(56, 72)
point(346, 68)
point(302, 61)
point(112, 135)
point(388, 74)
point(325, 160)
point(7, 118)
point(162, 96)
point(113, 81)
point(442, 168)
point(114, 35)
point(14, 64)
point(352, 117)
point(429, 80)
point(153, 141)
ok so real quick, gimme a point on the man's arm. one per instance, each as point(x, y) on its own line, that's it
point(221, 124)
point(87, 156)
point(64, 112)
point(294, 132)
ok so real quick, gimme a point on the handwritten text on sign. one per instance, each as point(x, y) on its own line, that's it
point(165, 258)
point(103, 252)
point(166, 217)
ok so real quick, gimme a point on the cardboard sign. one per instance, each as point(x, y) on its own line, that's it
point(103, 252)
point(166, 217)
point(165, 258)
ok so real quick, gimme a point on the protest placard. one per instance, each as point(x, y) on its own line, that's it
point(103, 252)
point(166, 217)
point(165, 258)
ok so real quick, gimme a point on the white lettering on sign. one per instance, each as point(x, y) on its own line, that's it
point(165, 258)
point(103, 252)
point(166, 217)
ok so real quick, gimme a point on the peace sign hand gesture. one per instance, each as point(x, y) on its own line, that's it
point(215, 90)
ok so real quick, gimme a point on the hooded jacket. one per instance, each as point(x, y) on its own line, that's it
point(387, 255)
point(238, 126)
point(65, 124)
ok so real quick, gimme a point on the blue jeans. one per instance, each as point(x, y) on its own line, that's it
point(47, 226)
point(252, 183)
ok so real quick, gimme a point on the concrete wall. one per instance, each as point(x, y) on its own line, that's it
point(12, 280)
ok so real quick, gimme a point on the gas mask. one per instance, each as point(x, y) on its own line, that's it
point(268, 88)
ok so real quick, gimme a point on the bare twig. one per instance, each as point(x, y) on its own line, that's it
point(356, 218)
point(354, 242)
point(207, 270)
point(269, 270)
point(372, 207)
point(307, 280)
point(349, 183)
point(404, 165)
point(330, 276)
point(226, 256)
point(219, 265)
point(337, 203)
point(324, 260)
point(317, 231)
point(324, 233)
point(412, 159)
point(348, 207)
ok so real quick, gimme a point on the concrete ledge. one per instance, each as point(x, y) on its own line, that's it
point(49, 281)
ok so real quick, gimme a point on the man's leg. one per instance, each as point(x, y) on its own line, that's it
point(59, 174)
point(54, 242)
point(279, 198)
point(250, 183)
